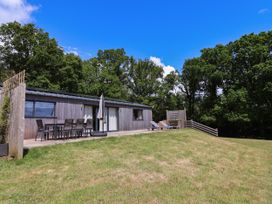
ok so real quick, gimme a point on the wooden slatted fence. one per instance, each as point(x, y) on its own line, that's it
point(201, 127)
point(14, 82)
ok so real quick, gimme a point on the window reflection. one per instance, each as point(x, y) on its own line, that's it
point(137, 114)
point(29, 108)
point(39, 109)
point(44, 109)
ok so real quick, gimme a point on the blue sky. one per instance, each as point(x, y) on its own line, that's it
point(171, 30)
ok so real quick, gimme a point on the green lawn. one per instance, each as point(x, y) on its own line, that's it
point(183, 166)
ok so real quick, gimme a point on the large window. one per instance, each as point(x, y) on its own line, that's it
point(29, 108)
point(39, 109)
point(137, 114)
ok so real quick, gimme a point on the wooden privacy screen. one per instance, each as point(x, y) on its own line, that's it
point(14, 82)
point(15, 88)
point(177, 117)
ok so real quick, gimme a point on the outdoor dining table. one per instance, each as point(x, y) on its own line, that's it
point(51, 125)
point(56, 129)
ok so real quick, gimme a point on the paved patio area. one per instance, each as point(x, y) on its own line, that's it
point(31, 143)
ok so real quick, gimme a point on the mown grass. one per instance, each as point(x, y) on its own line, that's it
point(184, 166)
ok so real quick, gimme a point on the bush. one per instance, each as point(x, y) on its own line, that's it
point(4, 116)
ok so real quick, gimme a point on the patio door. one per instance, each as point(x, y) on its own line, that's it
point(113, 119)
point(88, 113)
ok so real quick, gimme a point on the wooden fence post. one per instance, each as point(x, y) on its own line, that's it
point(216, 131)
point(15, 88)
point(17, 121)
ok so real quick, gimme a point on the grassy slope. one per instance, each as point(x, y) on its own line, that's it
point(166, 167)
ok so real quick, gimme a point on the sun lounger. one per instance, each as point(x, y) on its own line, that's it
point(165, 126)
point(155, 125)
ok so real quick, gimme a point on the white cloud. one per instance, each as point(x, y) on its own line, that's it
point(72, 50)
point(263, 11)
point(167, 69)
point(16, 10)
point(219, 91)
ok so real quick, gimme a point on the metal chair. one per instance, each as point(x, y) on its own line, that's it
point(67, 128)
point(89, 127)
point(41, 132)
point(56, 132)
point(79, 127)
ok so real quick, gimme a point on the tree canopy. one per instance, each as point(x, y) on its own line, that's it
point(232, 84)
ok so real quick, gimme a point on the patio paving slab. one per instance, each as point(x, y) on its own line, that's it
point(31, 143)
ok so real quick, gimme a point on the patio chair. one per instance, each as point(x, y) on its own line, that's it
point(79, 127)
point(41, 131)
point(67, 128)
point(154, 126)
point(56, 132)
point(89, 127)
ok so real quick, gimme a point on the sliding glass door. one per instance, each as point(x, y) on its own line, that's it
point(110, 118)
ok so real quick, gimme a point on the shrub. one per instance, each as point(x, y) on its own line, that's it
point(4, 116)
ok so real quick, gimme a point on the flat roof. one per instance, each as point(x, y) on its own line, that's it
point(61, 94)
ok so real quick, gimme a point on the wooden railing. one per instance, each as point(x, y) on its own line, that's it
point(199, 126)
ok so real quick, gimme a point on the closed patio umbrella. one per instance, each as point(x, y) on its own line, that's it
point(100, 114)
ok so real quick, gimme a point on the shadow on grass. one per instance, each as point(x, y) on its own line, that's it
point(25, 152)
point(247, 138)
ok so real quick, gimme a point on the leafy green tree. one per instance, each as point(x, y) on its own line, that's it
point(144, 78)
point(25, 47)
point(261, 98)
point(191, 78)
point(167, 96)
point(107, 74)
point(216, 62)
point(71, 74)
point(242, 71)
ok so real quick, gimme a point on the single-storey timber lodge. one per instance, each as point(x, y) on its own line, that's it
point(55, 107)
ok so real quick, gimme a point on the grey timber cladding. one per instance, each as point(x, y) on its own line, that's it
point(83, 98)
point(126, 121)
point(70, 106)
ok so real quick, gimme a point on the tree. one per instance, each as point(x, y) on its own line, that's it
point(71, 74)
point(107, 74)
point(143, 79)
point(191, 78)
point(25, 47)
point(261, 98)
point(242, 71)
point(167, 96)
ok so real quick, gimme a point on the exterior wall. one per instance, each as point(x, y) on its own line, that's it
point(63, 111)
point(69, 110)
point(75, 109)
point(126, 121)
